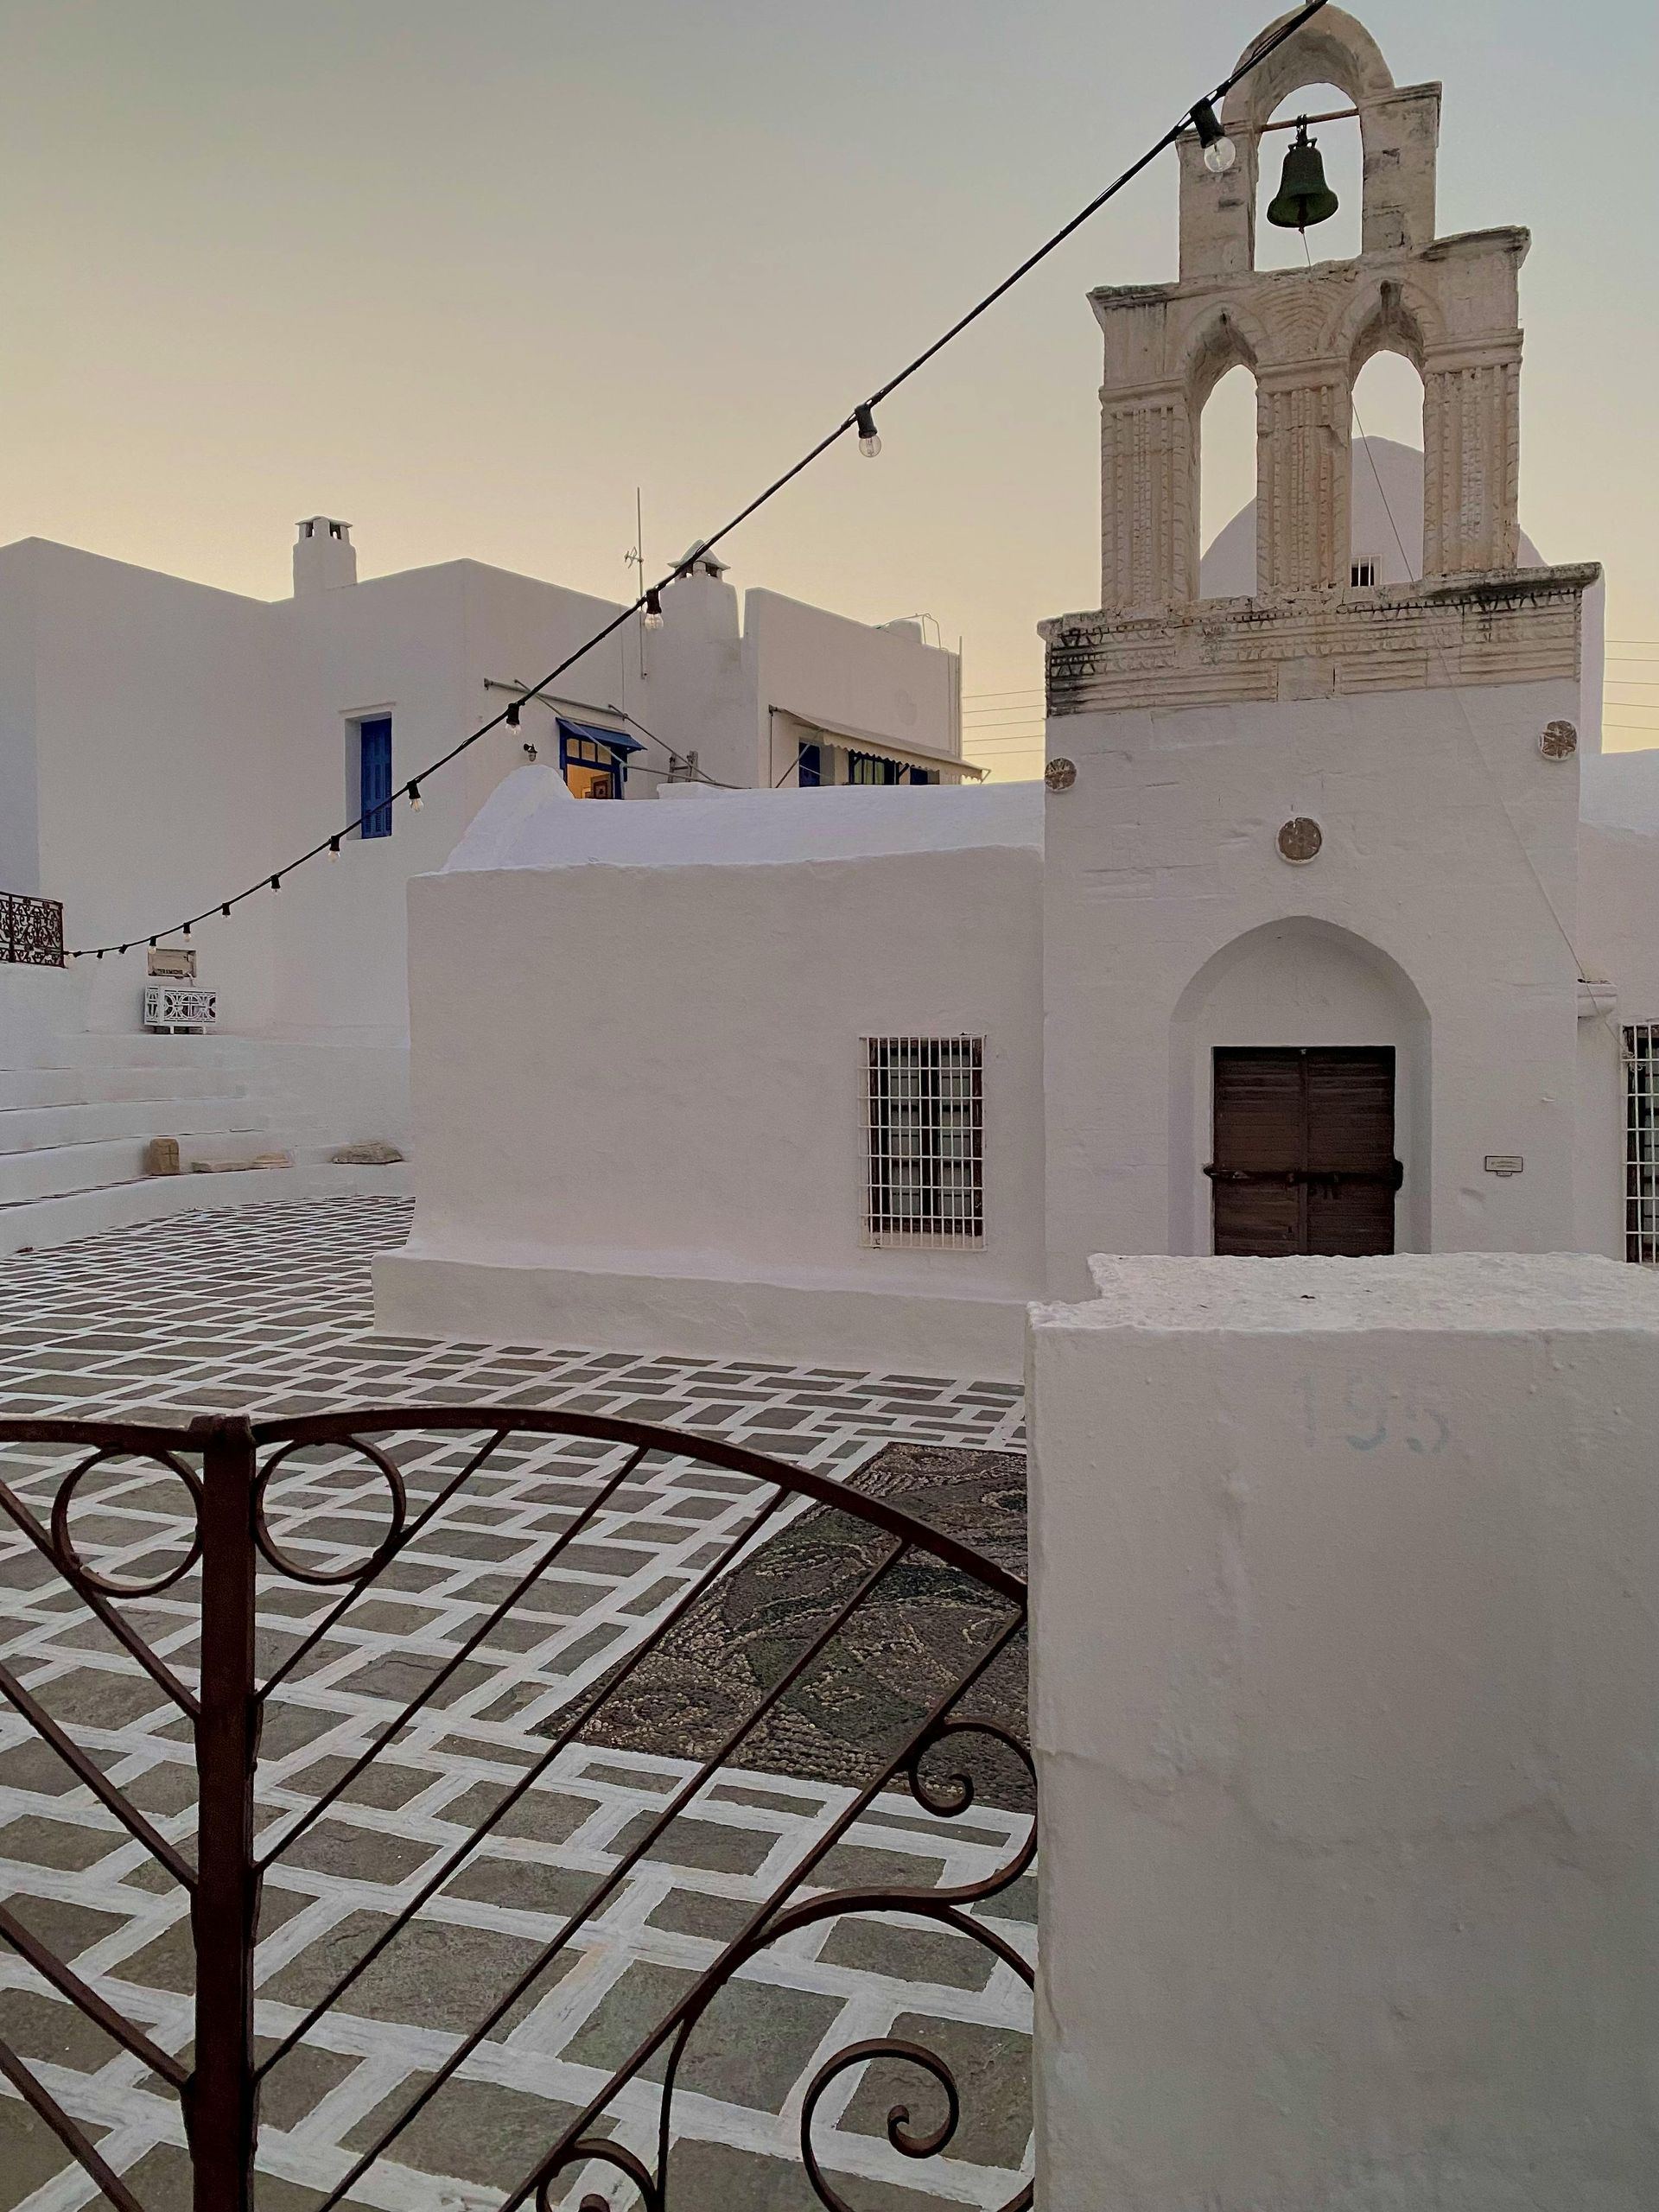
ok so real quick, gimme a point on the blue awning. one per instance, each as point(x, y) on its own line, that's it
point(618, 741)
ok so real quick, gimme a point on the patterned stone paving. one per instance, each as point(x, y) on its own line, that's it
point(267, 1309)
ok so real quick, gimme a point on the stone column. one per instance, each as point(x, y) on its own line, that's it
point(1146, 497)
point(1343, 1658)
point(1302, 463)
point(1472, 466)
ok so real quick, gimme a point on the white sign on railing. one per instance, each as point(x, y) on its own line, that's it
point(179, 1006)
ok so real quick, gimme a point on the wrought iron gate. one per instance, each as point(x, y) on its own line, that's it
point(233, 1532)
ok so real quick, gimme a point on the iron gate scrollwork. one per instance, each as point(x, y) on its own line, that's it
point(936, 1746)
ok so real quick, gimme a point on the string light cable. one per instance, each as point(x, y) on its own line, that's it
point(1200, 117)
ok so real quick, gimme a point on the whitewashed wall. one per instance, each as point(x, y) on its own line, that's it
point(1619, 939)
point(639, 1078)
point(1450, 853)
point(163, 744)
point(884, 683)
point(1344, 1657)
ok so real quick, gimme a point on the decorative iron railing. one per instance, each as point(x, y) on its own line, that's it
point(31, 931)
point(940, 1728)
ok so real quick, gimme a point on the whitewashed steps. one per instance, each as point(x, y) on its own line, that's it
point(62, 1219)
point(37, 1128)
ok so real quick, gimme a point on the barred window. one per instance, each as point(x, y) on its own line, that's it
point(925, 1122)
point(1642, 1142)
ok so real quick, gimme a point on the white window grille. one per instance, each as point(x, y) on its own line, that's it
point(1363, 575)
point(1642, 1142)
point(926, 1129)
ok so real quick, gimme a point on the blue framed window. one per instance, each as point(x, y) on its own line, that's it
point(592, 761)
point(374, 776)
point(810, 771)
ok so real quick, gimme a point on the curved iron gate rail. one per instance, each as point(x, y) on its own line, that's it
point(233, 1540)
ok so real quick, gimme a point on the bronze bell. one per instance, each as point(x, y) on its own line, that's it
point(1304, 197)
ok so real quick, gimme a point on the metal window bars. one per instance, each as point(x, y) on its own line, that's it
point(924, 1125)
point(237, 1530)
point(1642, 1142)
point(31, 931)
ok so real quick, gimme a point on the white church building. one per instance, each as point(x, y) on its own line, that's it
point(1328, 932)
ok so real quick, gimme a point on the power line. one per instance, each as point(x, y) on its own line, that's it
point(861, 420)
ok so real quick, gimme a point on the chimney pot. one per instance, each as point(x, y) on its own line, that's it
point(324, 556)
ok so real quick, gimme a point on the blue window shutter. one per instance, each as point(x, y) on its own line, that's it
point(374, 776)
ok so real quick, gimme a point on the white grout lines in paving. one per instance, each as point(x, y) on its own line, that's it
point(267, 1309)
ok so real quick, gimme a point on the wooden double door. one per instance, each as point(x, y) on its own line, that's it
point(1305, 1151)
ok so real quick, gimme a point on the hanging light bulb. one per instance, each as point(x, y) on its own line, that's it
point(152, 944)
point(414, 800)
point(121, 950)
point(869, 438)
point(653, 609)
point(513, 716)
point(226, 910)
point(334, 849)
point(69, 959)
point(187, 930)
point(100, 952)
point(1219, 152)
point(276, 882)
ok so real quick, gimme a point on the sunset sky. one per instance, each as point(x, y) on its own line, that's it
point(467, 275)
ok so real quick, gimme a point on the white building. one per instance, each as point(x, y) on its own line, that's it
point(1304, 947)
point(164, 746)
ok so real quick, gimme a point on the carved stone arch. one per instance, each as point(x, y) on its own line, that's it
point(1333, 48)
point(1395, 315)
point(1226, 337)
point(1399, 128)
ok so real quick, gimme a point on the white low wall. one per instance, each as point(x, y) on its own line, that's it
point(1346, 1652)
point(639, 1068)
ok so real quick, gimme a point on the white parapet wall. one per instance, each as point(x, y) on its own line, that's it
point(1346, 1645)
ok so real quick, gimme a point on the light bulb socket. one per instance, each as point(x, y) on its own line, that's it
point(653, 609)
point(152, 944)
point(334, 849)
point(414, 800)
point(276, 882)
point(100, 954)
point(226, 910)
point(869, 438)
point(1219, 152)
point(184, 932)
point(513, 716)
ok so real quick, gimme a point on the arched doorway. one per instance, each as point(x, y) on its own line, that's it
point(1299, 1098)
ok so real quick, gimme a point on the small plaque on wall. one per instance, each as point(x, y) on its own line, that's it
point(1505, 1163)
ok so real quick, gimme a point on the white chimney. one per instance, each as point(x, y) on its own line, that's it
point(324, 556)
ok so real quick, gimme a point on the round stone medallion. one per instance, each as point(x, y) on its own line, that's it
point(1558, 742)
point(1300, 841)
point(1060, 775)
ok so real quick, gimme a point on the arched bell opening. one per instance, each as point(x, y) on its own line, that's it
point(1226, 437)
point(1385, 499)
point(1341, 162)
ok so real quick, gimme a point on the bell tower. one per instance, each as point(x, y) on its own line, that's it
point(1335, 818)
